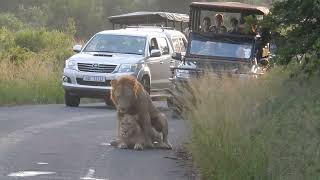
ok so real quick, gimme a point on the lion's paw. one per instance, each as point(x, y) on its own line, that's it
point(168, 146)
point(114, 143)
point(165, 146)
point(123, 146)
point(138, 147)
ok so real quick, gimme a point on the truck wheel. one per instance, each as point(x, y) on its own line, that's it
point(146, 84)
point(71, 100)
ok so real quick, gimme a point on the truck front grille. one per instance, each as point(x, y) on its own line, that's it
point(98, 68)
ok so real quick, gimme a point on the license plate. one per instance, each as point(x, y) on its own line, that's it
point(94, 78)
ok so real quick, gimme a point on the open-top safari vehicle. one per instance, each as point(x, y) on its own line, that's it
point(242, 54)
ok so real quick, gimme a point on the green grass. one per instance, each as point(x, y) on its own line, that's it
point(32, 82)
point(31, 65)
point(267, 128)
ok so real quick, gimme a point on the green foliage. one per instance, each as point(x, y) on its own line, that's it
point(30, 39)
point(10, 21)
point(31, 62)
point(297, 23)
point(256, 129)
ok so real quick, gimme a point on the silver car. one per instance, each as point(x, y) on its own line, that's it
point(145, 53)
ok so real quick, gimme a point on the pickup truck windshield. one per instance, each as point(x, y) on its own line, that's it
point(117, 44)
point(220, 49)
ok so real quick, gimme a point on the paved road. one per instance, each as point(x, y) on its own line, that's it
point(59, 143)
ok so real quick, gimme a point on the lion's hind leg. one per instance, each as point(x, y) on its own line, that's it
point(164, 131)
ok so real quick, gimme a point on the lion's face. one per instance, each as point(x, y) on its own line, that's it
point(128, 126)
point(124, 93)
point(124, 97)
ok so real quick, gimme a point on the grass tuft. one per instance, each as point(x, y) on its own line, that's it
point(256, 129)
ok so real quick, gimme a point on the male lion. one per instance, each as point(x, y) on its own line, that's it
point(130, 134)
point(129, 97)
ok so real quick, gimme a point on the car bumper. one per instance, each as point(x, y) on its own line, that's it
point(72, 79)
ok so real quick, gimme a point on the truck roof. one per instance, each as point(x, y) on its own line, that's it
point(233, 7)
point(146, 17)
point(130, 32)
point(144, 31)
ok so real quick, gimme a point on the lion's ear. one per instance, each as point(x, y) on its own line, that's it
point(114, 82)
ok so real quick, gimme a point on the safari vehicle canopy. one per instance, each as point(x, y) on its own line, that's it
point(150, 18)
point(231, 7)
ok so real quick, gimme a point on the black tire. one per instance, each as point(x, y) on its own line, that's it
point(71, 100)
point(145, 81)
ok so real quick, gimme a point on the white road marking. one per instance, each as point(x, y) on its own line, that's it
point(105, 144)
point(90, 175)
point(29, 173)
point(88, 178)
point(42, 163)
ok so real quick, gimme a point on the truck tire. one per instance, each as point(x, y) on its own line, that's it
point(71, 100)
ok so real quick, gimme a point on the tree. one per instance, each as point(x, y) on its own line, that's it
point(297, 23)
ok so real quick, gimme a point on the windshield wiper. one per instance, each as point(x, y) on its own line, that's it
point(104, 51)
point(131, 53)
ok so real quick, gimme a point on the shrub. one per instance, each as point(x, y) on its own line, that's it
point(10, 21)
point(31, 63)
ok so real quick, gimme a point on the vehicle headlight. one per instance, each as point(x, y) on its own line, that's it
point(126, 68)
point(71, 64)
point(182, 73)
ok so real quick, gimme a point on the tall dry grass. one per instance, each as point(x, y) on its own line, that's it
point(32, 82)
point(31, 65)
point(256, 129)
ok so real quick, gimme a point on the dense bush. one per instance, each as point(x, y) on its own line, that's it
point(31, 63)
point(18, 46)
point(10, 21)
point(297, 24)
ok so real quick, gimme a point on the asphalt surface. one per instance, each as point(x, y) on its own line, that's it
point(58, 143)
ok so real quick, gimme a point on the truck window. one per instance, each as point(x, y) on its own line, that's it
point(153, 44)
point(178, 44)
point(163, 44)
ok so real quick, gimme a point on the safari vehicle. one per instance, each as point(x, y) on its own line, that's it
point(235, 54)
point(140, 51)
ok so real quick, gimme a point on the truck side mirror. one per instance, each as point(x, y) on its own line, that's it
point(177, 56)
point(77, 48)
point(155, 53)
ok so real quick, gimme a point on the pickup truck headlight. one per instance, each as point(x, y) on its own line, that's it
point(182, 73)
point(126, 68)
point(71, 64)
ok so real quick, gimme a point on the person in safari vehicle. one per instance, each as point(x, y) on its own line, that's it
point(235, 53)
point(219, 27)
